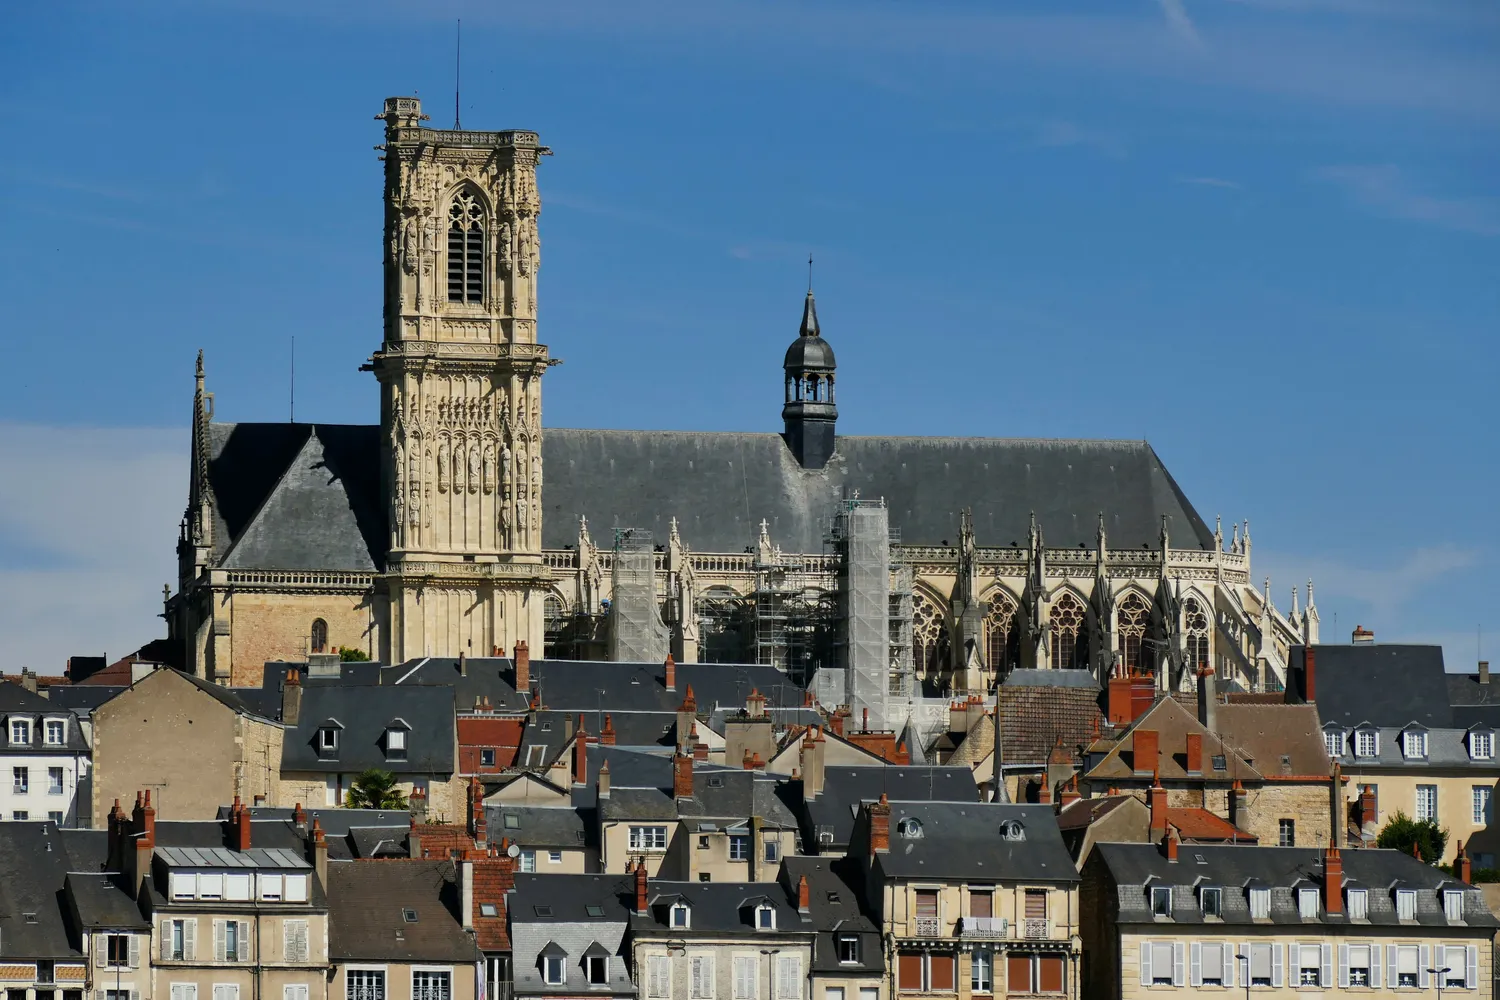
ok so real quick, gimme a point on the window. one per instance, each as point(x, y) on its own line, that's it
point(237, 887)
point(295, 991)
point(364, 984)
point(772, 851)
point(1453, 904)
point(487, 757)
point(929, 637)
point(1132, 620)
point(294, 940)
point(648, 838)
point(1161, 900)
point(270, 887)
point(1209, 964)
point(982, 971)
point(230, 940)
point(294, 888)
point(1406, 904)
point(226, 991)
point(739, 847)
point(431, 985)
point(1426, 802)
point(55, 816)
point(1359, 904)
point(20, 778)
point(1481, 745)
point(1260, 904)
point(1068, 633)
point(765, 917)
point(999, 628)
point(20, 731)
point(925, 972)
point(1032, 973)
point(528, 861)
point(56, 732)
point(183, 991)
point(179, 939)
point(1265, 965)
point(1161, 963)
point(536, 755)
point(658, 977)
point(1333, 740)
point(210, 886)
point(395, 743)
point(700, 977)
point(789, 977)
point(1307, 903)
point(1286, 832)
point(318, 641)
point(848, 949)
point(554, 972)
point(746, 973)
point(681, 916)
point(1195, 627)
point(1309, 964)
point(466, 249)
point(1361, 961)
point(1366, 743)
point(117, 950)
point(1414, 744)
point(1220, 762)
point(833, 993)
point(20, 815)
point(596, 969)
point(1211, 901)
point(328, 741)
point(1407, 961)
point(1462, 965)
point(1482, 813)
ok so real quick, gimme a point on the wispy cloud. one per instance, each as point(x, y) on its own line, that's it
point(1384, 190)
point(1383, 591)
point(1181, 25)
point(1218, 182)
point(1058, 134)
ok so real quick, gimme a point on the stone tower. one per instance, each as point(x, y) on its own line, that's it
point(809, 413)
point(460, 373)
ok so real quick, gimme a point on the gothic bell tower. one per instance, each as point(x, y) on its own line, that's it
point(460, 373)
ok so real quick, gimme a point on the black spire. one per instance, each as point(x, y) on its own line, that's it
point(809, 413)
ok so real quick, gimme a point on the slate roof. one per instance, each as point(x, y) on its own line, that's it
point(718, 908)
point(1465, 689)
point(721, 793)
point(845, 788)
point(1276, 739)
point(103, 902)
point(297, 496)
point(719, 485)
point(33, 867)
point(335, 822)
point(1378, 683)
point(17, 701)
point(1447, 749)
point(834, 908)
point(536, 826)
point(364, 712)
point(366, 900)
point(551, 913)
point(963, 841)
point(1033, 717)
point(1172, 724)
point(1130, 866)
point(81, 699)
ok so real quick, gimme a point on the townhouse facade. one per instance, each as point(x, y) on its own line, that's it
point(45, 761)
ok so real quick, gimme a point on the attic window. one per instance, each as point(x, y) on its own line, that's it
point(1481, 745)
point(409, 915)
point(512, 821)
point(1012, 829)
point(1366, 743)
point(911, 828)
point(489, 910)
point(29, 917)
point(594, 910)
point(1220, 762)
point(765, 917)
point(680, 917)
point(833, 897)
point(328, 740)
point(546, 727)
point(542, 911)
point(395, 743)
point(1414, 744)
point(715, 782)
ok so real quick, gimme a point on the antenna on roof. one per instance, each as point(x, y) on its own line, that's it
point(293, 416)
point(458, 62)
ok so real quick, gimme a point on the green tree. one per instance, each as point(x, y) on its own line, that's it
point(1402, 833)
point(350, 655)
point(375, 789)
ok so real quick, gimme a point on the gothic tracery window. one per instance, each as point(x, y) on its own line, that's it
point(928, 637)
point(999, 627)
point(319, 637)
point(1067, 624)
point(1131, 622)
point(466, 249)
point(1195, 627)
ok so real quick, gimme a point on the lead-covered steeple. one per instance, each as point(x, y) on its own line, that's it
point(810, 413)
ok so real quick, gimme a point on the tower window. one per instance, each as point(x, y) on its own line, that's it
point(466, 250)
point(319, 637)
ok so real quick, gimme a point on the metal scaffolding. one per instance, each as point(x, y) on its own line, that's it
point(636, 631)
point(862, 535)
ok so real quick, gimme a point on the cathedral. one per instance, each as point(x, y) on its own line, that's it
point(881, 571)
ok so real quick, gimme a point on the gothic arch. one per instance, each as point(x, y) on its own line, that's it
point(929, 634)
point(1197, 623)
point(1002, 627)
point(467, 224)
point(318, 640)
point(1133, 630)
point(1068, 628)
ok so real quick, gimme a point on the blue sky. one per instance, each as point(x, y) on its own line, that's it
point(1263, 234)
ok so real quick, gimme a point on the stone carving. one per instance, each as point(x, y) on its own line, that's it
point(474, 468)
point(442, 467)
point(489, 467)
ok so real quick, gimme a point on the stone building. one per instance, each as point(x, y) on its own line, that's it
point(891, 572)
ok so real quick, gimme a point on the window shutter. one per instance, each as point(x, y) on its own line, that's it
point(101, 950)
point(1374, 965)
point(1145, 963)
point(790, 986)
point(1390, 964)
point(242, 942)
point(135, 952)
point(1179, 970)
point(1343, 966)
point(1277, 957)
point(1424, 962)
point(1227, 950)
point(135, 995)
point(744, 977)
point(1325, 974)
point(166, 939)
point(190, 939)
point(1195, 964)
point(1471, 970)
point(219, 947)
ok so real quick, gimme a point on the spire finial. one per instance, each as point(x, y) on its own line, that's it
point(809, 309)
point(809, 272)
point(458, 62)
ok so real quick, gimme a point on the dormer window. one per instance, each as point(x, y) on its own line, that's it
point(1359, 904)
point(328, 741)
point(1161, 900)
point(1366, 743)
point(1453, 904)
point(596, 968)
point(1260, 904)
point(554, 971)
point(1333, 740)
point(681, 916)
point(1211, 901)
point(1307, 903)
point(395, 740)
point(765, 917)
point(1482, 745)
point(1012, 829)
point(20, 732)
point(1406, 904)
point(55, 732)
point(910, 828)
point(1413, 744)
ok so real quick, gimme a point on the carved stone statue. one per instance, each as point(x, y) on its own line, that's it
point(489, 468)
point(473, 468)
point(442, 467)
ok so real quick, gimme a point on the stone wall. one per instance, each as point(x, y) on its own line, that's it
point(279, 627)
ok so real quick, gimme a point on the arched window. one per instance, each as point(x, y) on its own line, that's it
point(1131, 622)
point(466, 249)
point(319, 635)
point(999, 627)
point(929, 637)
point(1067, 621)
point(1195, 627)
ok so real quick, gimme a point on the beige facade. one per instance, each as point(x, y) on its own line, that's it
point(691, 852)
point(768, 967)
point(274, 625)
point(117, 960)
point(400, 979)
point(1471, 824)
point(270, 955)
point(194, 751)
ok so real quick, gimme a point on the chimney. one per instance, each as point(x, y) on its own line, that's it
point(143, 827)
point(642, 900)
point(1338, 808)
point(320, 854)
point(299, 819)
point(413, 839)
point(812, 759)
point(1362, 635)
point(1170, 843)
point(700, 749)
point(477, 824)
point(1156, 798)
point(465, 873)
point(755, 705)
point(1484, 671)
point(670, 668)
point(1463, 867)
point(687, 716)
point(417, 800)
point(880, 826)
point(748, 760)
point(1194, 753)
point(1239, 805)
point(1144, 751)
point(291, 697)
point(603, 792)
point(1208, 699)
point(836, 721)
point(1333, 880)
point(607, 734)
point(1119, 704)
point(581, 757)
point(1044, 791)
point(1069, 793)
point(523, 668)
point(682, 775)
point(804, 895)
point(463, 664)
point(865, 727)
point(1309, 674)
point(1368, 813)
point(115, 827)
point(241, 827)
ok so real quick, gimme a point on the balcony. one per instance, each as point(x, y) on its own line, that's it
point(929, 927)
point(990, 928)
point(1035, 928)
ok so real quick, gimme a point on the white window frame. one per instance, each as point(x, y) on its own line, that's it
point(588, 970)
point(1413, 744)
point(1482, 804)
point(1366, 743)
point(701, 987)
point(296, 991)
point(1161, 892)
point(183, 991)
point(61, 787)
point(686, 912)
point(395, 739)
point(61, 727)
point(1426, 805)
point(1359, 900)
point(739, 847)
point(658, 977)
point(647, 837)
point(1333, 742)
point(20, 781)
point(551, 962)
point(1214, 892)
point(982, 971)
point(745, 987)
point(362, 992)
point(1453, 905)
point(851, 939)
point(296, 941)
point(1307, 903)
point(554, 857)
point(1482, 745)
point(431, 970)
point(1406, 904)
point(789, 971)
point(226, 991)
point(761, 912)
point(1260, 903)
point(23, 728)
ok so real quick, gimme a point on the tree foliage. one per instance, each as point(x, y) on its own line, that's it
point(375, 789)
point(1402, 833)
point(351, 655)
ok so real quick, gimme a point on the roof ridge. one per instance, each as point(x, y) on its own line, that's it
point(265, 501)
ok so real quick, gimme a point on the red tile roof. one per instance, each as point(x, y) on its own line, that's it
point(1202, 825)
point(1034, 719)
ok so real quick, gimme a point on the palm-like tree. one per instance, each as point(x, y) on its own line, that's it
point(375, 789)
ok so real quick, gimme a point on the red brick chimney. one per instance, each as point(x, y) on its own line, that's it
point(670, 667)
point(804, 895)
point(1367, 810)
point(1119, 704)
point(1309, 674)
point(1333, 880)
point(477, 823)
point(880, 826)
point(1144, 751)
point(865, 720)
point(320, 853)
point(1463, 867)
point(241, 826)
point(1156, 799)
point(1194, 753)
point(299, 818)
point(580, 755)
point(700, 749)
point(1170, 842)
point(1069, 792)
point(291, 697)
point(642, 894)
point(523, 668)
point(748, 761)
point(682, 775)
point(607, 734)
point(1044, 794)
